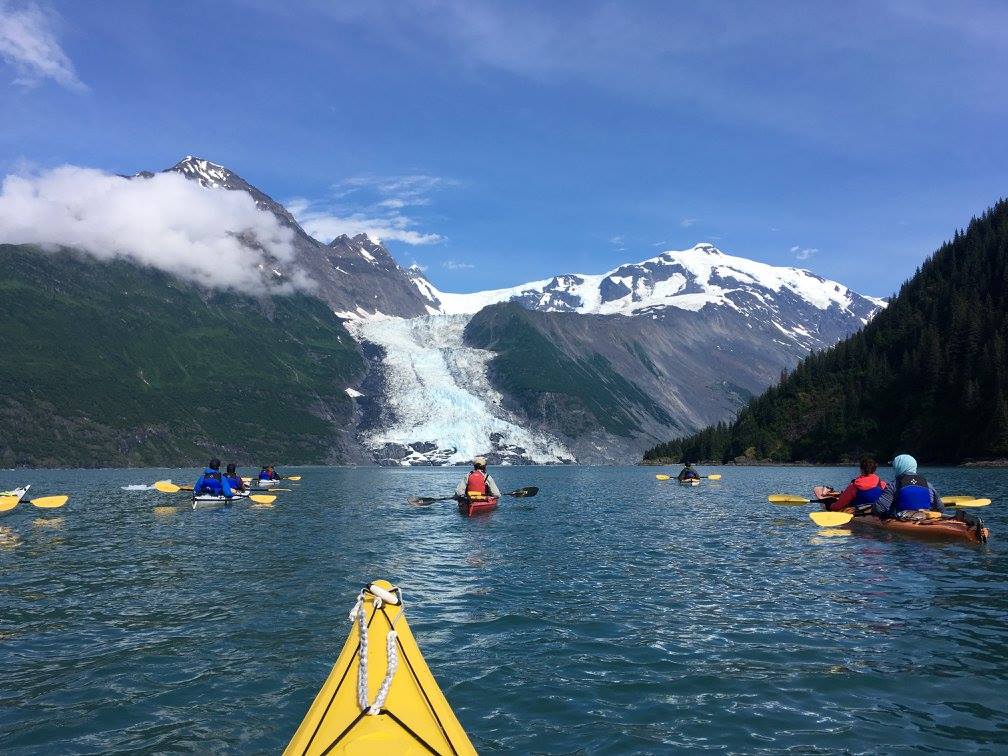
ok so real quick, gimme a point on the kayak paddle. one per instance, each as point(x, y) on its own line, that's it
point(704, 477)
point(967, 503)
point(295, 478)
point(830, 519)
point(166, 486)
point(521, 493)
point(259, 499)
point(271, 488)
point(7, 503)
point(789, 500)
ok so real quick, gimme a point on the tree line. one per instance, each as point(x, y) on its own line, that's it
point(927, 375)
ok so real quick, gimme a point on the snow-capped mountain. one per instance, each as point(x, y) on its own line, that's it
point(355, 276)
point(577, 367)
point(805, 308)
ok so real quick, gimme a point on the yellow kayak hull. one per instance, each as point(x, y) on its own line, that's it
point(415, 718)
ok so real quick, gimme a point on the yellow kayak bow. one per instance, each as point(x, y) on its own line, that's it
point(398, 709)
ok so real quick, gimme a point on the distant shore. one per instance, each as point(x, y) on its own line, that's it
point(990, 463)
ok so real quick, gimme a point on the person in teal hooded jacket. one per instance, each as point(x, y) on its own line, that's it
point(910, 491)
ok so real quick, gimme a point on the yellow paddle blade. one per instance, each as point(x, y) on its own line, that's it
point(956, 499)
point(971, 503)
point(50, 502)
point(7, 503)
point(262, 499)
point(293, 477)
point(663, 477)
point(714, 477)
point(786, 499)
point(830, 519)
point(166, 487)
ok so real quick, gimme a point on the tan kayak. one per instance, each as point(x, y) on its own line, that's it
point(399, 709)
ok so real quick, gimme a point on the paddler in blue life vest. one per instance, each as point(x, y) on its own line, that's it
point(478, 485)
point(212, 482)
point(268, 473)
point(866, 489)
point(234, 479)
point(909, 491)
point(688, 473)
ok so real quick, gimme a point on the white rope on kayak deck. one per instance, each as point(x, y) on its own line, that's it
point(391, 652)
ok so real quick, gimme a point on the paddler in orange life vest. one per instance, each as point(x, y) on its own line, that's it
point(478, 485)
point(863, 491)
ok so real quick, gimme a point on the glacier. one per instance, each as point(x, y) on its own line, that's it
point(445, 410)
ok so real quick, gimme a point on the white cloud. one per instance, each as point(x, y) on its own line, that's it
point(29, 44)
point(325, 223)
point(687, 222)
point(216, 238)
point(455, 265)
point(617, 241)
point(803, 253)
point(372, 205)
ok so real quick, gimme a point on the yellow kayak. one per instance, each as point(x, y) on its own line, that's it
point(399, 708)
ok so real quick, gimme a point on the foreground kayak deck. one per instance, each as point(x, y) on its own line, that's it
point(414, 718)
point(689, 482)
point(942, 529)
point(471, 508)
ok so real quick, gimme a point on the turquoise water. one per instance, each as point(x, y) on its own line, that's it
point(611, 614)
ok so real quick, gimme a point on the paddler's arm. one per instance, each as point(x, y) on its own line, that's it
point(492, 487)
point(885, 501)
point(845, 499)
point(936, 502)
point(460, 490)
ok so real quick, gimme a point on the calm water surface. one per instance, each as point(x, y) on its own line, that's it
point(611, 614)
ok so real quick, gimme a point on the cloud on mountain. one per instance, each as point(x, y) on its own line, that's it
point(218, 239)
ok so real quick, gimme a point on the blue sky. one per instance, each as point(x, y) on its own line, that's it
point(527, 139)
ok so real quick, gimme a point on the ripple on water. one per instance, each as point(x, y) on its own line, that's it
point(611, 614)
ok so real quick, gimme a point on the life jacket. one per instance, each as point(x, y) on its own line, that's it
point(236, 483)
point(912, 492)
point(476, 486)
point(265, 475)
point(210, 482)
point(869, 489)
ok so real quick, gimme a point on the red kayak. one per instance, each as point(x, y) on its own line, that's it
point(970, 528)
point(472, 508)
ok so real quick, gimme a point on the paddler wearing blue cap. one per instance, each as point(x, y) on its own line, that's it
point(909, 491)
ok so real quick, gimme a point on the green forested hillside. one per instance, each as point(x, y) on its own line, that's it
point(926, 376)
point(572, 395)
point(110, 364)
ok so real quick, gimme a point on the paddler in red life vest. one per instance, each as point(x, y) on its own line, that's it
point(863, 491)
point(478, 485)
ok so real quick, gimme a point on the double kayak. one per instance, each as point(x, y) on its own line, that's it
point(380, 697)
point(210, 501)
point(472, 508)
point(689, 482)
point(960, 527)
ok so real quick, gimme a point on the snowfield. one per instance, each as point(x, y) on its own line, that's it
point(438, 389)
point(686, 279)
